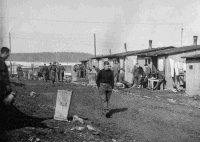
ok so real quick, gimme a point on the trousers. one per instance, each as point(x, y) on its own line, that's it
point(105, 91)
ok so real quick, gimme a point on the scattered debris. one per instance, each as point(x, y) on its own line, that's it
point(96, 131)
point(113, 140)
point(157, 97)
point(33, 139)
point(78, 128)
point(172, 100)
point(196, 97)
point(76, 118)
point(146, 97)
point(32, 94)
point(114, 90)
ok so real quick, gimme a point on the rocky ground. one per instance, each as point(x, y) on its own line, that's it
point(137, 115)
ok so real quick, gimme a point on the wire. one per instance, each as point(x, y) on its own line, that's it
point(91, 22)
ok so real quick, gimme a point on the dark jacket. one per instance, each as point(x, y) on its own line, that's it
point(105, 76)
point(4, 77)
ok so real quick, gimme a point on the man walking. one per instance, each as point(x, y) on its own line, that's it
point(105, 84)
point(5, 86)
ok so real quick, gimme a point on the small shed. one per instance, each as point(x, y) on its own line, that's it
point(193, 74)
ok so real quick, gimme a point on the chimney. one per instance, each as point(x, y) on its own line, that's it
point(125, 48)
point(195, 40)
point(150, 44)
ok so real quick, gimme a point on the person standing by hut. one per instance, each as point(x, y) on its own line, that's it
point(115, 69)
point(138, 75)
point(147, 75)
point(105, 84)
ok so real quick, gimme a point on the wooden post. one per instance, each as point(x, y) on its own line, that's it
point(94, 45)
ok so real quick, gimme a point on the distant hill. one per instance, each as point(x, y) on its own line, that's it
point(50, 57)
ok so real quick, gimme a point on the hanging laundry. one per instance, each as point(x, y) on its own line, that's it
point(172, 64)
point(184, 66)
point(176, 68)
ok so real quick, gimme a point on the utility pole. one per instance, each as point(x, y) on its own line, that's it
point(110, 51)
point(10, 53)
point(181, 34)
point(94, 45)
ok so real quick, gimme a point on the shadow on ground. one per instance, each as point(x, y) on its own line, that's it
point(13, 118)
point(113, 111)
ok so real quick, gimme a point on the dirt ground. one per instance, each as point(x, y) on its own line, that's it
point(137, 115)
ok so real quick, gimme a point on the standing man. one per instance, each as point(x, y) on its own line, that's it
point(115, 69)
point(5, 86)
point(58, 72)
point(45, 72)
point(147, 75)
point(53, 73)
point(49, 71)
point(62, 71)
point(138, 75)
point(19, 72)
point(105, 84)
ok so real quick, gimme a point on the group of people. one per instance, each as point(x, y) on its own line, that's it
point(53, 72)
point(140, 76)
point(80, 70)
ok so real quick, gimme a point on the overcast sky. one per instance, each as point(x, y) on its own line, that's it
point(69, 25)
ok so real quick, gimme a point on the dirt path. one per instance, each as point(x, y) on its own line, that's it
point(133, 117)
point(146, 119)
point(152, 120)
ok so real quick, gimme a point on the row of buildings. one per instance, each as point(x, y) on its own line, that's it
point(181, 65)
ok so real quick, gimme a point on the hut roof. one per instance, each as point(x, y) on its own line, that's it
point(129, 53)
point(192, 56)
point(172, 51)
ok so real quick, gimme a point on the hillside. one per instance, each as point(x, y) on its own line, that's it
point(50, 57)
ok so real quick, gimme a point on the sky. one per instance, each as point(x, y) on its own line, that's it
point(70, 25)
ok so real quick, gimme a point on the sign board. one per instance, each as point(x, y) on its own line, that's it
point(92, 78)
point(62, 105)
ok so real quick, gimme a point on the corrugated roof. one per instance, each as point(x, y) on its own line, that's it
point(192, 56)
point(129, 53)
point(172, 51)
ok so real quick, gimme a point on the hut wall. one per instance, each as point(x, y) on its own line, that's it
point(170, 81)
point(193, 77)
point(101, 64)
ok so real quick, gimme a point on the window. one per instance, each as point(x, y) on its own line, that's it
point(147, 60)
